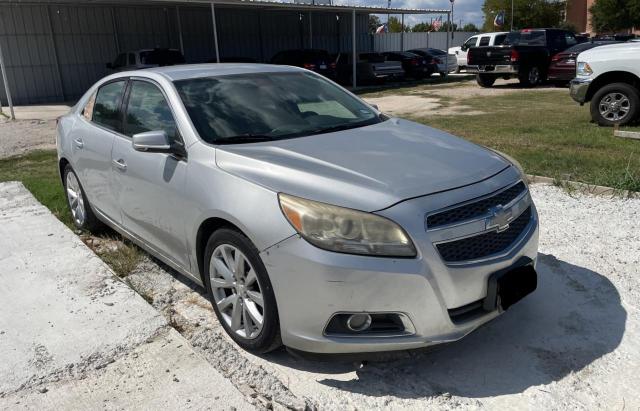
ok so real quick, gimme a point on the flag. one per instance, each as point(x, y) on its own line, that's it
point(382, 29)
point(499, 20)
point(437, 24)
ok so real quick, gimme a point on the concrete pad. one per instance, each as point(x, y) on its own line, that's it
point(39, 112)
point(65, 317)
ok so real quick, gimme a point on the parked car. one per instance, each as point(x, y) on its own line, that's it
point(609, 78)
point(310, 218)
point(445, 63)
point(524, 54)
point(311, 59)
point(370, 68)
point(145, 58)
point(233, 59)
point(414, 66)
point(563, 65)
point(483, 39)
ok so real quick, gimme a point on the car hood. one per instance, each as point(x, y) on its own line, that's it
point(368, 168)
point(602, 52)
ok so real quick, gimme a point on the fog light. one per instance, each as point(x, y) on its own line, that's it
point(359, 322)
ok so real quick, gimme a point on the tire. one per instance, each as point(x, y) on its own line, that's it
point(531, 76)
point(620, 99)
point(239, 315)
point(485, 80)
point(79, 206)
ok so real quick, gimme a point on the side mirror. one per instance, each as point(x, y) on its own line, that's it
point(110, 66)
point(375, 106)
point(464, 47)
point(152, 142)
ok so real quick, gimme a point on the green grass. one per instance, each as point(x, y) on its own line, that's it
point(550, 135)
point(38, 171)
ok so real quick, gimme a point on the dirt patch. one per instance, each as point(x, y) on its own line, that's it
point(419, 106)
point(21, 136)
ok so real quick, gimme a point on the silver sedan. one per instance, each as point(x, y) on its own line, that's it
point(312, 219)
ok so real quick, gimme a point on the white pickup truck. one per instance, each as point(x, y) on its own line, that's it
point(483, 39)
point(609, 78)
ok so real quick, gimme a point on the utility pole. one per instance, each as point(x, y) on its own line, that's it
point(451, 24)
point(511, 15)
point(6, 84)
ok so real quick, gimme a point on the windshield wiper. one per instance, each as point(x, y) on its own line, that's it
point(244, 138)
point(341, 127)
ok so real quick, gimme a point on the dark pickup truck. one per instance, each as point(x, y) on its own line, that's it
point(525, 54)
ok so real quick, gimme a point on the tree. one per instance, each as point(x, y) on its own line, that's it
point(527, 13)
point(422, 27)
point(445, 24)
point(395, 26)
point(470, 27)
point(374, 23)
point(615, 15)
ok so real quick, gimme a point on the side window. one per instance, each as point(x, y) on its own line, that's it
point(121, 60)
point(484, 41)
point(106, 110)
point(132, 59)
point(570, 39)
point(499, 39)
point(471, 42)
point(148, 110)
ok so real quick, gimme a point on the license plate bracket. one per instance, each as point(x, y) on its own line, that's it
point(507, 287)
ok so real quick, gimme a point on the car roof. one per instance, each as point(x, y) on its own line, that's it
point(188, 71)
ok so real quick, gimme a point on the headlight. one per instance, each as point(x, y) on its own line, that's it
point(584, 69)
point(345, 230)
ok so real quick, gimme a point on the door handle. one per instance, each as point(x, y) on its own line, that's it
point(120, 164)
point(79, 143)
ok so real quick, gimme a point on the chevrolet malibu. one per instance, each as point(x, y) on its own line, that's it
point(312, 219)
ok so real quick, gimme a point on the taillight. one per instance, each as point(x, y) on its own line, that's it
point(437, 61)
point(469, 58)
point(414, 62)
point(515, 56)
point(332, 65)
point(309, 66)
point(556, 57)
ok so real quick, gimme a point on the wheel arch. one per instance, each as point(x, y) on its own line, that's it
point(206, 228)
point(62, 164)
point(612, 77)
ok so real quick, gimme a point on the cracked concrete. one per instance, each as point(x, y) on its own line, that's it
point(72, 335)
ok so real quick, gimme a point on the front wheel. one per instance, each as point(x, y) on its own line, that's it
point(615, 103)
point(240, 291)
point(485, 80)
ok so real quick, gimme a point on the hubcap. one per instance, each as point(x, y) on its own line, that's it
point(236, 291)
point(75, 199)
point(534, 75)
point(614, 106)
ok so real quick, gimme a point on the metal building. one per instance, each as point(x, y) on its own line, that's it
point(54, 50)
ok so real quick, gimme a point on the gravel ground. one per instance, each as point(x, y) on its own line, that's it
point(21, 136)
point(573, 344)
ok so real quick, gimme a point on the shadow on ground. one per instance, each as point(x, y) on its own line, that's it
point(574, 318)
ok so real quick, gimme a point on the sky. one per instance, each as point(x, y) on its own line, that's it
point(467, 10)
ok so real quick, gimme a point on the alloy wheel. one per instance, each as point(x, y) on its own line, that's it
point(76, 200)
point(534, 75)
point(614, 106)
point(236, 291)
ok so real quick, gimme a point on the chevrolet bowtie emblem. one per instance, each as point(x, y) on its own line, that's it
point(499, 218)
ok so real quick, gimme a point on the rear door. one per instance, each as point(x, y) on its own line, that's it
point(149, 186)
point(93, 138)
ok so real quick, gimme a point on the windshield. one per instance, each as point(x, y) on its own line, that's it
point(269, 106)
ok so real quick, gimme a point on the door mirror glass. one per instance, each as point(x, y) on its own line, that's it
point(464, 47)
point(375, 106)
point(155, 141)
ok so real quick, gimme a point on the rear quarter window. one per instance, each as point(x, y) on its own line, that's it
point(106, 110)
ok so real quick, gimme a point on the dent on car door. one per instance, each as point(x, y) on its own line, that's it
point(91, 144)
point(149, 186)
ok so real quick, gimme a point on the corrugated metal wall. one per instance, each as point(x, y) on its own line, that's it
point(438, 40)
point(55, 52)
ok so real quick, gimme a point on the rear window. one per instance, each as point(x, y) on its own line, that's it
point(161, 57)
point(526, 38)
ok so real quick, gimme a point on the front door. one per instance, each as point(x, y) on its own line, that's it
point(149, 186)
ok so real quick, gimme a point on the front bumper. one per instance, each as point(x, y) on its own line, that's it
point(579, 88)
point(311, 285)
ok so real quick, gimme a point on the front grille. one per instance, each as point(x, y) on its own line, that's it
point(484, 245)
point(475, 209)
